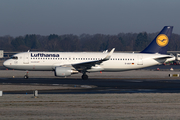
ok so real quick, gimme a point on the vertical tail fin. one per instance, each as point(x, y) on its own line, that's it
point(160, 42)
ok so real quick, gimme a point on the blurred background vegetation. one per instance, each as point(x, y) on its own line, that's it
point(83, 42)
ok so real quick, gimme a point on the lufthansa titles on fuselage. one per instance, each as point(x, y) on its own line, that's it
point(44, 55)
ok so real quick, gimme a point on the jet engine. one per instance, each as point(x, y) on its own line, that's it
point(64, 71)
point(178, 57)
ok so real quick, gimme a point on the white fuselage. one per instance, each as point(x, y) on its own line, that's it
point(47, 61)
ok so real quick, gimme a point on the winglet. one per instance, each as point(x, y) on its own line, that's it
point(109, 55)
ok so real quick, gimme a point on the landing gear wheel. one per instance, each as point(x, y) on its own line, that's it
point(84, 77)
point(26, 77)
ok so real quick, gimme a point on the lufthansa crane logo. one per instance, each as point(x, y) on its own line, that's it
point(162, 40)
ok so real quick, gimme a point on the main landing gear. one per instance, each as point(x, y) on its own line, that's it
point(84, 76)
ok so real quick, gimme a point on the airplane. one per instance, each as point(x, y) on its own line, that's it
point(67, 63)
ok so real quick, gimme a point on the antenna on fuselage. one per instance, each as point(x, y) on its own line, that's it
point(28, 50)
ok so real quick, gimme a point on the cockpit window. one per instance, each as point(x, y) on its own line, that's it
point(14, 57)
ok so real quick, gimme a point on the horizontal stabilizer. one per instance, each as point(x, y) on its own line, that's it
point(162, 58)
point(166, 58)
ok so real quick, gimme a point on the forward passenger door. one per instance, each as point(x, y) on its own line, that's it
point(26, 58)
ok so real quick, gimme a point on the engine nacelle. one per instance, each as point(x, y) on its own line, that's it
point(64, 71)
point(178, 57)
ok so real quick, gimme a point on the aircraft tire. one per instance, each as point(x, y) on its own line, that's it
point(26, 77)
point(84, 77)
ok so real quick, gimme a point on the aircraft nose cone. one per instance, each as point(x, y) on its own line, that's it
point(5, 63)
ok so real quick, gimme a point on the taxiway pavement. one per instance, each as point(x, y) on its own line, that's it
point(136, 81)
point(104, 96)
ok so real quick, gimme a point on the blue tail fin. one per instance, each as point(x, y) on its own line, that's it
point(160, 42)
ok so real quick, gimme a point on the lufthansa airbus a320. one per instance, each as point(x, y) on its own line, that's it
point(68, 63)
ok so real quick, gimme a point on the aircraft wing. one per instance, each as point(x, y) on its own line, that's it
point(87, 65)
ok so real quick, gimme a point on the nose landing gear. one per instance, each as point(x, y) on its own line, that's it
point(26, 75)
